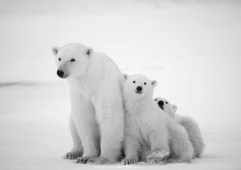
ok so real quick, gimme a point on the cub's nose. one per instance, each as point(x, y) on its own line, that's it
point(139, 88)
point(60, 73)
point(161, 104)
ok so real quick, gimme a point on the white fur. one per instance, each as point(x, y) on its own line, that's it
point(167, 106)
point(188, 123)
point(147, 128)
point(97, 115)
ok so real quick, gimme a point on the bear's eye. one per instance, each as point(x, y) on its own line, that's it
point(155, 99)
point(59, 59)
point(72, 60)
point(88, 51)
point(166, 102)
point(145, 83)
point(134, 81)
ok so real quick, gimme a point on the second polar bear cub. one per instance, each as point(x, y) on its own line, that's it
point(188, 123)
point(148, 130)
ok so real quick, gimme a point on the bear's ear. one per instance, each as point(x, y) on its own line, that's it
point(89, 51)
point(154, 83)
point(125, 76)
point(55, 50)
point(174, 108)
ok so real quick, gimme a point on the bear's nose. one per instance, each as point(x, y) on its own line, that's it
point(60, 73)
point(139, 88)
point(161, 104)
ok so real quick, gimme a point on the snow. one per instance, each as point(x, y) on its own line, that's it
point(192, 48)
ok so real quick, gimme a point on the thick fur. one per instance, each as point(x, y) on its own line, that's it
point(148, 130)
point(97, 113)
point(166, 106)
point(188, 123)
point(194, 134)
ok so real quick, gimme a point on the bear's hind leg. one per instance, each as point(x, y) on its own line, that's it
point(110, 116)
point(181, 145)
point(194, 134)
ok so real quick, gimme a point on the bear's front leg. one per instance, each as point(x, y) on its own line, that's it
point(84, 120)
point(110, 116)
point(159, 146)
point(77, 150)
point(132, 147)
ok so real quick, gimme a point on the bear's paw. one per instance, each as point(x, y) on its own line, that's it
point(129, 161)
point(157, 157)
point(73, 155)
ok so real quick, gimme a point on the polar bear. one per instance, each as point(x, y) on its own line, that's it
point(167, 106)
point(97, 113)
point(188, 123)
point(148, 129)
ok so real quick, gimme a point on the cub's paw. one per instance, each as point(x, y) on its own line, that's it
point(157, 157)
point(73, 155)
point(129, 161)
point(83, 160)
point(98, 160)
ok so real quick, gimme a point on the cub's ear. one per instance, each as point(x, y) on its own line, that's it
point(154, 83)
point(125, 76)
point(174, 108)
point(89, 51)
point(55, 50)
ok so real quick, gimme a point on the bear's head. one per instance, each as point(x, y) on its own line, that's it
point(166, 106)
point(72, 59)
point(138, 86)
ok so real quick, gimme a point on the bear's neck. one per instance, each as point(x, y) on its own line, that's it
point(139, 106)
point(78, 84)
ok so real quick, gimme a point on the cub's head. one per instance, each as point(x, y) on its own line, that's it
point(166, 106)
point(138, 86)
point(72, 59)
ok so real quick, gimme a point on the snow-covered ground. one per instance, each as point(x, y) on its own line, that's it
point(192, 48)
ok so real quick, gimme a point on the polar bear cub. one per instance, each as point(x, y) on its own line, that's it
point(148, 128)
point(188, 123)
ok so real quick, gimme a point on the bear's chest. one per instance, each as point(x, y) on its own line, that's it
point(144, 127)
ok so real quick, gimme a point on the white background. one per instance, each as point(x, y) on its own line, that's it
point(192, 48)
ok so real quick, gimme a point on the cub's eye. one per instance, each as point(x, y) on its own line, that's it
point(134, 81)
point(72, 60)
point(166, 102)
point(155, 99)
point(145, 83)
point(59, 59)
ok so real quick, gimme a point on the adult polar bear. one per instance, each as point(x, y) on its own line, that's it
point(97, 114)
